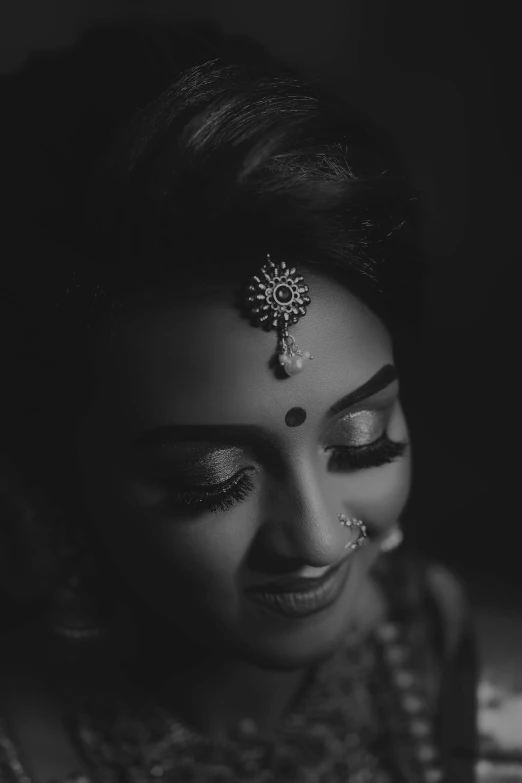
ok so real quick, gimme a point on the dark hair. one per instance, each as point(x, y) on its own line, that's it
point(232, 162)
point(235, 159)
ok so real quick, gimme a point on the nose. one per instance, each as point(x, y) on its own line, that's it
point(301, 523)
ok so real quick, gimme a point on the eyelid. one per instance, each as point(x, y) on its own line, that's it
point(213, 488)
point(211, 469)
point(362, 425)
point(383, 408)
point(363, 415)
point(357, 413)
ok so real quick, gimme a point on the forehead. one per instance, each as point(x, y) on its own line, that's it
point(201, 362)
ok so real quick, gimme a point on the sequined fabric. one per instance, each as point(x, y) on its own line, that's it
point(328, 738)
point(367, 716)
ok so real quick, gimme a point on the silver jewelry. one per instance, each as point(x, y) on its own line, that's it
point(393, 539)
point(277, 297)
point(361, 530)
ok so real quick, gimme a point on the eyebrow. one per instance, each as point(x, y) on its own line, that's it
point(383, 378)
point(247, 433)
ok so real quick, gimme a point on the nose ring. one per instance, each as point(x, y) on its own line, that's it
point(361, 529)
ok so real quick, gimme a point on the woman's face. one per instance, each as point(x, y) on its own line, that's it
point(201, 489)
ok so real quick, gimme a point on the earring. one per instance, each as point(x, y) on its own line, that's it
point(393, 539)
point(72, 613)
point(361, 529)
point(77, 611)
point(87, 617)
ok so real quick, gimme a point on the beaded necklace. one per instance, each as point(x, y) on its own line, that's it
point(368, 715)
point(330, 737)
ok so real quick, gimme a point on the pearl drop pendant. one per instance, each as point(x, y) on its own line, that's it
point(294, 363)
point(292, 360)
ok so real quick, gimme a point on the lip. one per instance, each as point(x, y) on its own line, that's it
point(297, 584)
point(303, 597)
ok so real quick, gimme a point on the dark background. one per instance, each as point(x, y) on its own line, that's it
point(443, 79)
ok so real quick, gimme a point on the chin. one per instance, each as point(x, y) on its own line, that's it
point(301, 644)
point(290, 657)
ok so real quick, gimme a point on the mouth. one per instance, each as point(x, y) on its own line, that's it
point(303, 597)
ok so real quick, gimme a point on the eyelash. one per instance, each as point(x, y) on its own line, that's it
point(381, 452)
point(222, 497)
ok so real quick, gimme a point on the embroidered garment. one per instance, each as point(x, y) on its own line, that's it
point(371, 714)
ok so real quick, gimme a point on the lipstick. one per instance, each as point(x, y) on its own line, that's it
point(302, 597)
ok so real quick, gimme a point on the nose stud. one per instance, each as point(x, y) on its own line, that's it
point(361, 530)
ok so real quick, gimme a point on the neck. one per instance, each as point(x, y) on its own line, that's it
point(216, 697)
point(214, 693)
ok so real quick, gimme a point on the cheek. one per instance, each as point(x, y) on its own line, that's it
point(383, 492)
point(378, 495)
point(206, 553)
point(167, 560)
point(177, 561)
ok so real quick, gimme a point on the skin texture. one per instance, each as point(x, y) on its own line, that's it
point(200, 363)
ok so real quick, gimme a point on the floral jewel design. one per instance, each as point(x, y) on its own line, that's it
point(362, 530)
point(277, 297)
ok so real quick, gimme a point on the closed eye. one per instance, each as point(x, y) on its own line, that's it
point(372, 455)
point(224, 496)
point(212, 498)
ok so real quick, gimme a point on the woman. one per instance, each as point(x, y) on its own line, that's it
point(229, 464)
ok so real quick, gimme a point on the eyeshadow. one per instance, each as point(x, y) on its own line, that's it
point(362, 427)
point(193, 466)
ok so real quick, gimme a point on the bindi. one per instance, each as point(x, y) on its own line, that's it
point(295, 417)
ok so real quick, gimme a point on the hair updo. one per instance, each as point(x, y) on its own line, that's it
point(175, 158)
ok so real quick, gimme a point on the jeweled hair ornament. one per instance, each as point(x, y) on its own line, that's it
point(277, 296)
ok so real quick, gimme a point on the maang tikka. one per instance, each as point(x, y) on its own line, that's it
point(276, 297)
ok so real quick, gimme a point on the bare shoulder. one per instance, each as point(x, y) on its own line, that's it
point(33, 713)
point(451, 596)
